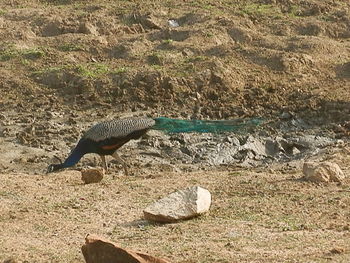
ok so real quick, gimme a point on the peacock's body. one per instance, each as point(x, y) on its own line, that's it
point(107, 137)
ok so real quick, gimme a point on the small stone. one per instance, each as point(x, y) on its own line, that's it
point(151, 22)
point(92, 175)
point(52, 28)
point(76, 206)
point(187, 52)
point(173, 23)
point(98, 250)
point(337, 250)
point(295, 151)
point(88, 28)
point(286, 115)
point(233, 140)
point(180, 205)
point(322, 172)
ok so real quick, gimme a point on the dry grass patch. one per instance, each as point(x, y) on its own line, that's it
point(255, 217)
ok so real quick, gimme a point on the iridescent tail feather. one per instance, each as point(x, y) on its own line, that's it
point(205, 126)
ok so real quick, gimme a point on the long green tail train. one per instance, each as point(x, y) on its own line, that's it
point(205, 126)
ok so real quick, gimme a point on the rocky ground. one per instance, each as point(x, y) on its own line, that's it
point(67, 64)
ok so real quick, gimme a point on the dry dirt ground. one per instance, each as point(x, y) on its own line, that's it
point(66, 64)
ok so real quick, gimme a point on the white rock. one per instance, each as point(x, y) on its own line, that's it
point(295, 151)
point(179, 205)
point(173, 23)
point(323, 172)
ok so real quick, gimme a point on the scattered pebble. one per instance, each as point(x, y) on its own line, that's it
point(337, 250)
point(173, 23)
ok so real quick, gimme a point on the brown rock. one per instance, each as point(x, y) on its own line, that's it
point(323, 172)
point(98, 250)
point(150, 22)
point(88, 28)
point(337, 250)
point(92, 175)
point(52, 28)
point(240, 34)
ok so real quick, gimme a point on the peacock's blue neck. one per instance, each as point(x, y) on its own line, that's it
point(74, 157)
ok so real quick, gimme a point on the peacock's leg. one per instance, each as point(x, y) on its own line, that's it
point(104, 162)
point(120, 160)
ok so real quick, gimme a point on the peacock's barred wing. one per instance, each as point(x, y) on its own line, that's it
point(117, 128)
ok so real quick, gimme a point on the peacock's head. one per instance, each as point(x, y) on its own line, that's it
point(55, 167)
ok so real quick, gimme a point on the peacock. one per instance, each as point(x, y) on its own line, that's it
point(107, 137)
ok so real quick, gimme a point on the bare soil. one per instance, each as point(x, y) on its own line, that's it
point(66, 64)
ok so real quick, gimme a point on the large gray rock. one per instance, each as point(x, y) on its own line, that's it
point(179, 205)
point(322, 172)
